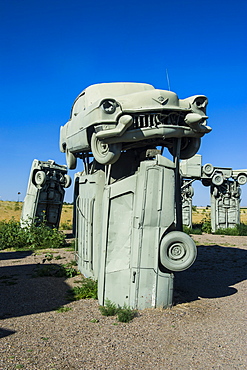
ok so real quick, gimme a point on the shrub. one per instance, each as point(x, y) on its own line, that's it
point(195, 229)
point(125, 314)
point(206, 224)
point(12, 235)
point(238, 230)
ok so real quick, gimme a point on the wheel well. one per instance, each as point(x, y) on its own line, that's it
point(90, 132)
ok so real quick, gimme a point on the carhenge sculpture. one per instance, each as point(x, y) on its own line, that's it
point(45, 193)
point(127, 201)
point(224, 183)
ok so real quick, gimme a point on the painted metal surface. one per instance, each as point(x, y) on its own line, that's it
point(121, 221)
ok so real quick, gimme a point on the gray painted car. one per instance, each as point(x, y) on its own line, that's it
point(109, 118)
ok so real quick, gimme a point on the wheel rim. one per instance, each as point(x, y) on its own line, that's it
point(218, 179)
point(102, 148)
point(208, 168)
point(40, 178)
point(242, 179)
point(177, 251)
point(105, 153)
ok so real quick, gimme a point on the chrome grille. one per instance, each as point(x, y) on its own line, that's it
point(156, 119)
point(144, 120)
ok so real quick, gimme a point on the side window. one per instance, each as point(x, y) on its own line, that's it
point(78, 106)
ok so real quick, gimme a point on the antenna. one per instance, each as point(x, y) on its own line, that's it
point(168, 81)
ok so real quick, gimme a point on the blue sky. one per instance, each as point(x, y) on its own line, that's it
point(51, 50)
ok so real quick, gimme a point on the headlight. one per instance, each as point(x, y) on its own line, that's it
point(109, 106)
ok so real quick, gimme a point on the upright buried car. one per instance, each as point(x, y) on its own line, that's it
point(110, 117)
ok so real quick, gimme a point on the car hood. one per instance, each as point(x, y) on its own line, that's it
point(152, 100)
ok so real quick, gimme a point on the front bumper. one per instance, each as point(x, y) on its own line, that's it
point(141, 127)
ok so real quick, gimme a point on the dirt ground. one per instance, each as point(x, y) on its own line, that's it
point(206, 328)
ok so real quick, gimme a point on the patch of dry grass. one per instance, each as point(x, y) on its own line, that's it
point(10, 210)
point(13, 209)
point(243, 215)
point(202, 212)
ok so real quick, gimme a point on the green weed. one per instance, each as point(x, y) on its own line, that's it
point(124, 314)
point(110, 309)
point(88, 289)
point(94, 320)
point(49, 256)
point(63, 309)
point(58, 257)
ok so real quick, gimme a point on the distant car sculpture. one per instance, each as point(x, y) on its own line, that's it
point(224, 183)
point(112, 117)
point(45, 193)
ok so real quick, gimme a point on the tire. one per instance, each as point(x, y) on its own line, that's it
point(105, 153)
point(208, 168)
point(67, 181)
point(177, 251)
point(218, 179)
point(189, 147)
point(71, 160)
point(40, 178)
point(206, 182)
point(242, 179)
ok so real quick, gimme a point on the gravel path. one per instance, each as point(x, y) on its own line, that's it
point(206, 329)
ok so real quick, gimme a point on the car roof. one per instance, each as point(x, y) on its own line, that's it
point(113, 89)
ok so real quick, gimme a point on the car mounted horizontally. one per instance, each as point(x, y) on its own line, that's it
point(112, 117)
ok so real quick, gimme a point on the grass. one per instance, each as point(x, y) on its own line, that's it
point(198, 213)
point(124, 314)
point(88, 289)
point(110, 308)
point(9, 210)
point(63, 309)
point(238, 230)
point(205, 227)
